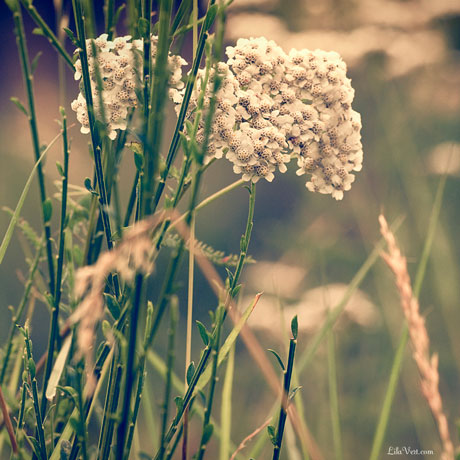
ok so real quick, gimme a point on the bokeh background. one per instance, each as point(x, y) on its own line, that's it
point(404, 61)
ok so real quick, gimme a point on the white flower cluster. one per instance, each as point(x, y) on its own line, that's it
point(273, 106)
point(119, 63)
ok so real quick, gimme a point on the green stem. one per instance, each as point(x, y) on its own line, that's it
point(109, 9)
point(130, 371)
point(96, 142)
point(38, 416)
point(170, 362)
point(181, 117)
point(333, 396)
point(285, 399)
point(157, 98)
point(28, 79)
point(215, 355)
point(54, 328)
point(47, 32)
point(110, 408)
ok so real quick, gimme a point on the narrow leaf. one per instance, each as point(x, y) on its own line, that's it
point(19, 105)
point(272, 434)
point(207, 433)
point(203, 332)
point(33, 66)
point(71, 36)
point(190, 372)
point(210, 16)
point(278, 358)
point(294, 327)
point(58, 369)
point(47, 210)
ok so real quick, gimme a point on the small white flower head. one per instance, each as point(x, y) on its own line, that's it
point(119, 64)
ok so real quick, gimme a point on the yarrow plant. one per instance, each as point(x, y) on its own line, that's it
point(113, 263)
point(274, 106)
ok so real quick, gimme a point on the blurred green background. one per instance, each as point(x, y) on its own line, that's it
point(404, 61)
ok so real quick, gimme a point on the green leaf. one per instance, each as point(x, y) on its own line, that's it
point(69, 391)
point(60, 168)
point(277, 356)
point(236, 290)
point(190, 372)
point(272, 434)
point(47, 210)
point(32, 370)
point(294, 327)
point(38, 31)
point(19, 105)
point(72, 37)
point(34, 64)
point(36, 447)
point(207, 433)
point(210, 16)
point(203, 332)
point(179, 402)
point(112, 305)
point(89, 187)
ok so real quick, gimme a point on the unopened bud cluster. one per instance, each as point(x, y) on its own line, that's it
point(119, 65)
point(274, 106)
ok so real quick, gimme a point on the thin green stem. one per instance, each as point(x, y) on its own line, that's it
point(169, 364)
point(207, 427)
point(181, 117)
point(285, 399)
point(226, 407)
point(28, 80)
point(157, 98)
point(109, 10)
point(47, 32)
point(333, 396)
point(130, 369)
point(96, 142)
point(54, 328)
point(30, 366)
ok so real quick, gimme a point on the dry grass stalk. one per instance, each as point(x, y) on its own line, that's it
point(249, 437)
point(8, 424)
point(427, 366)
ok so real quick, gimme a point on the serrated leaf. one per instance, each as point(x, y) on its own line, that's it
point(207, 433)
point(19, 105)
point(203, 332)
point(190, 372)
point(294, 327)
point(272, 434)
point(71, 36)
point(47, 210)
point(34, 64)
point(278, 358)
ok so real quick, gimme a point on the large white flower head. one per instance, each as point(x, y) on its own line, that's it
point(119, 63)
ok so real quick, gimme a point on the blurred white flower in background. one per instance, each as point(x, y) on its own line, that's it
point(445, 159)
